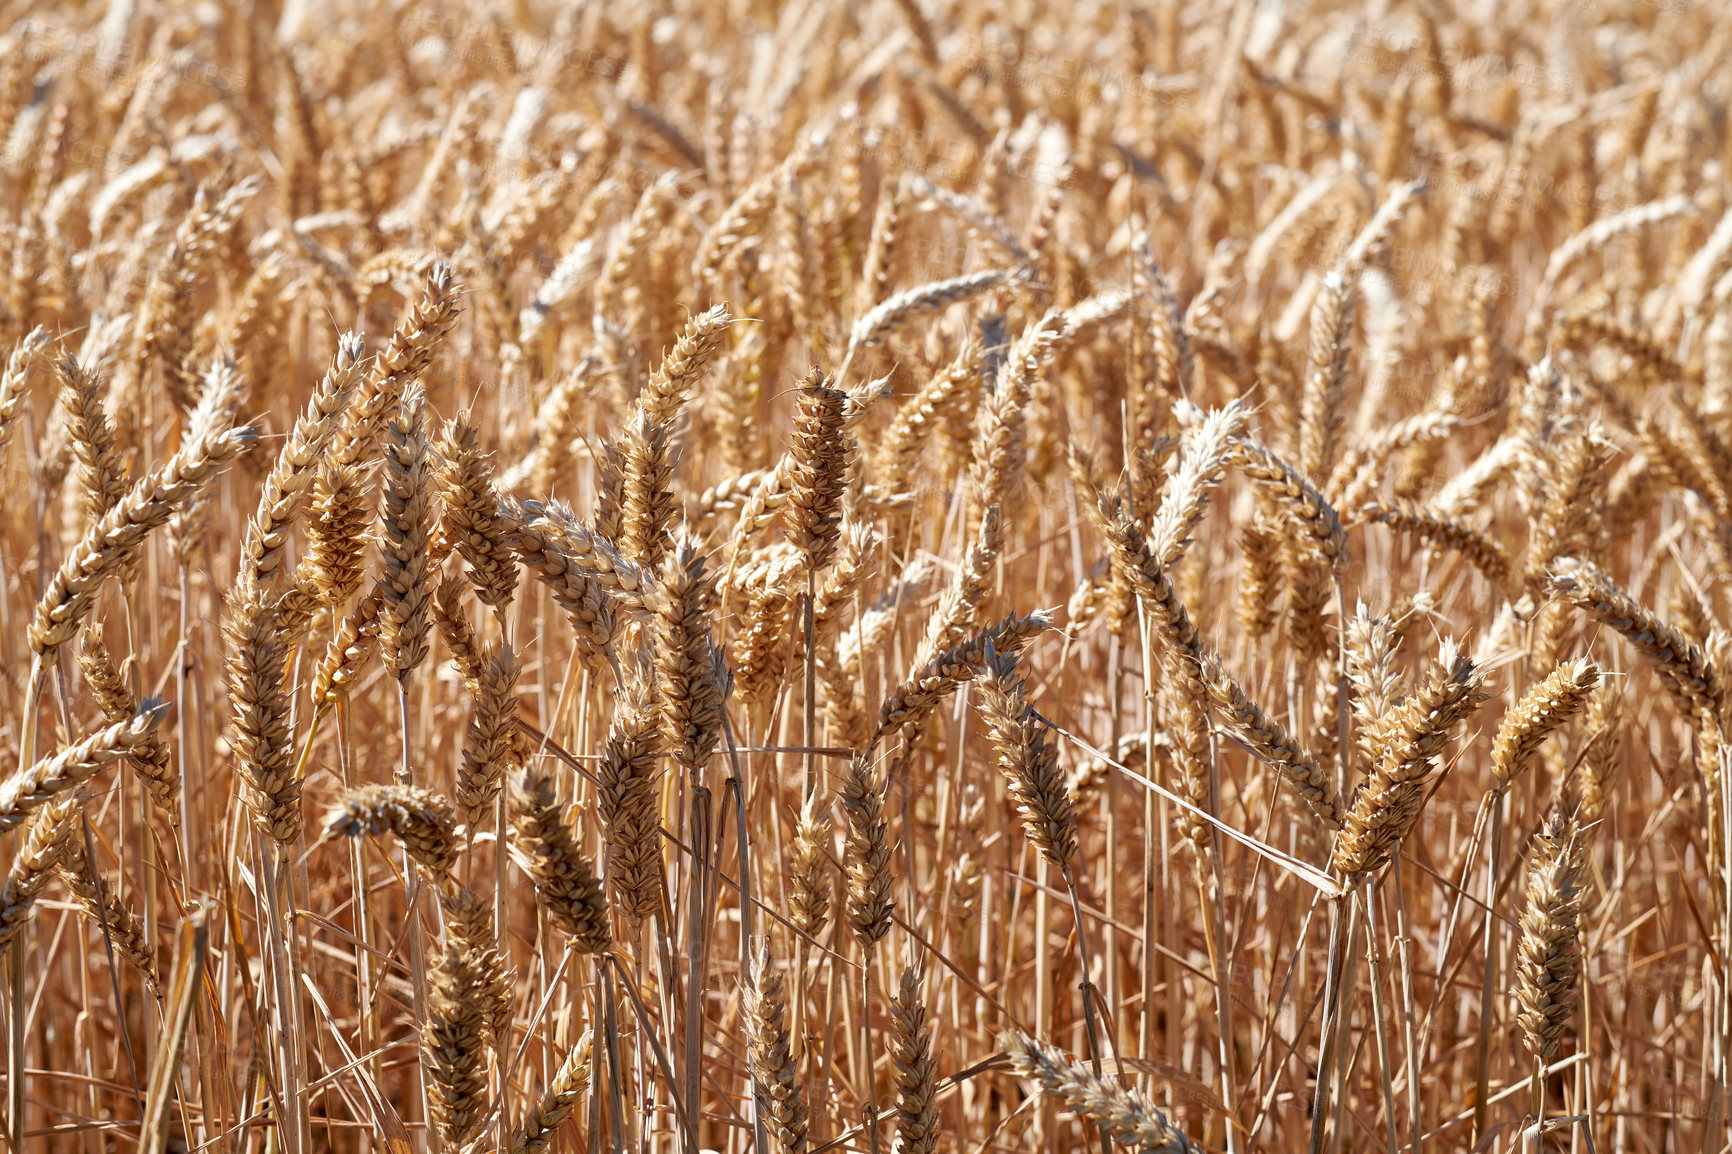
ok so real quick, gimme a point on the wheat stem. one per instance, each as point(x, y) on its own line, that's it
point(1488, 947)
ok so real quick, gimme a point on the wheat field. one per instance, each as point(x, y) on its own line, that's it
point(907, 577)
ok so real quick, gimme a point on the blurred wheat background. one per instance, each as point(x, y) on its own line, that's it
point(917, 576)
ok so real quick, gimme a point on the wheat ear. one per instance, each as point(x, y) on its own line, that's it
point(808, 871)
point(1271, 742)
point(402, 363)
point(453, 1047)
point(912, 701)
point(473, 520)
point(39, 851)
point(106, 546)
point(419, 818)
point(821, 453)
point(1683, 667)
point(777, 1076)
point(1125, 1115)
point(489, 741)
point(626, 798)
point(866, 854)
point(1480, 550)
point(404, 620)
point(263, 743)
point(686, 684)
point(565, 884)
point(561, 549)
point(16, 379)
point(294, 471)
point(101, 476)
point(334, 566)
point(103, 906)
point(1028, 761)
point(1547, 957)
point(916, 1072)
point(152, 761)
point(1598, 771)
point(557, 1103)
point(468, 919)
point(1542, 709)
point(33, 787)
point(1388, 805)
